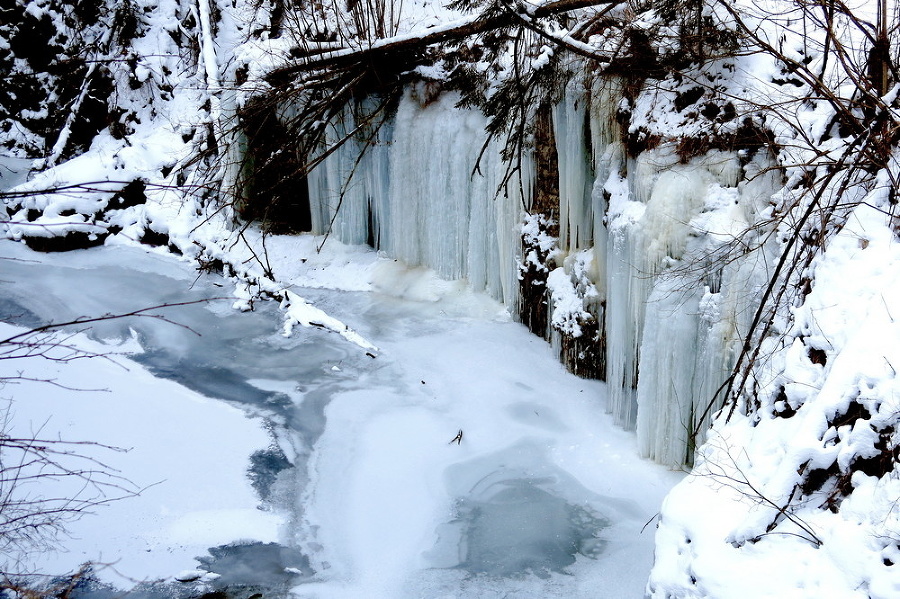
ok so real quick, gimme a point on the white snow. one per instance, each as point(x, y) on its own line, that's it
point(299, 311)
point(744, 466)
point(183, 451)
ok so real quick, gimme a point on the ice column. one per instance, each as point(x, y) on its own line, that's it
point(695, 228)
point(630, 275)
point(449, 210)
point(606, 146)
point(576, 219)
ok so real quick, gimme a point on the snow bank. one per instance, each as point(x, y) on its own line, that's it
point(804, 487)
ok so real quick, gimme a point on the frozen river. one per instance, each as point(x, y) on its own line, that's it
point(457, 460)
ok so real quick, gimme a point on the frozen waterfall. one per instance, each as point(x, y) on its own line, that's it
point(672, 314)
point(426, 194)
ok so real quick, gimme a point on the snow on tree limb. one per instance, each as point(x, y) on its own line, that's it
point(454, 30)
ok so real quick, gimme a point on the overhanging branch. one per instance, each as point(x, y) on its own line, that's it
point(459, 29)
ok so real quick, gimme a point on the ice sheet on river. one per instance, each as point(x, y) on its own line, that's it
point(540, 497)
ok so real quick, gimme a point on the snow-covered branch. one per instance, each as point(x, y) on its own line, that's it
point(454, 30)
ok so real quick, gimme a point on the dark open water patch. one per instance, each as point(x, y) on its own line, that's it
point(262, 565)
point(517, 527)
point(242, 571)
point(265, 465)
point(211, 380)
point(15, 313)
point(518, 515)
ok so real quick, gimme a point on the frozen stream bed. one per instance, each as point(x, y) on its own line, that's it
point(460, 461)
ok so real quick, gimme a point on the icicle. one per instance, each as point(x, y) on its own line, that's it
point(727, 310)
point(576, 221)
point(606, 145)
point(668, 350)
point(418, 195)
point(431, 164)
point(348, 188)
point(651, 328)
point(691, 339)
point(627, 291)
point(448, 214)
point(606, 95)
